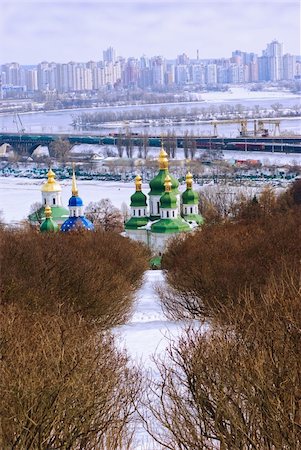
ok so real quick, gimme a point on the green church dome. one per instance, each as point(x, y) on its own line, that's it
point(157, 183)
point(168, 200)
point(170, 226)
point(138, 199)
point(135, 222)
point(190, 197)
point(49, 225)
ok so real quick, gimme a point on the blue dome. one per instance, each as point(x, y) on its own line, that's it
point(75, 201)
point(77, 223)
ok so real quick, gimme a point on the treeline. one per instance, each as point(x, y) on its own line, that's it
point(195, 113)
point(233, 381)
point(64, 384)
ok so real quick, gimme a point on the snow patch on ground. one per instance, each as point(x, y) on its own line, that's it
point(147, 336)
point(148, 332)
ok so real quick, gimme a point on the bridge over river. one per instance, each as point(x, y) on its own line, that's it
point(24, 143)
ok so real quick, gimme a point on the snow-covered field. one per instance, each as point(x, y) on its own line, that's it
point(18, 194)
point(241, 94)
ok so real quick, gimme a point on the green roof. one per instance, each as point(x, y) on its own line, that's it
point(155, 262)
point(157, 184)
point(190, 197)
point(138, 199)
point(49, 225)
point(168, 200)
point(59, 213)
point(194, 218)
point(136, 222)
point(170, 226)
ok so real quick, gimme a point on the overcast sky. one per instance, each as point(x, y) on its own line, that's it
point(65, 30)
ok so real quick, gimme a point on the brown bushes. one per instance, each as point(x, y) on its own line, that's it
point(236, 387)
point(93, 274)
point(63, 384)
point(209, 269)
point(235, 383)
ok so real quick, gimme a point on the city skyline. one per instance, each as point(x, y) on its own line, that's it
point(74, 30)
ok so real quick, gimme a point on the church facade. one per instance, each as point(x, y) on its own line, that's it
point(165, 212)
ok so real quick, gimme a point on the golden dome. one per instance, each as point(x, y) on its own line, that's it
point(167, 183)
point(51, 185)
point(138, 182)
point(163, 161)
point(47, 212)
point(189, 179)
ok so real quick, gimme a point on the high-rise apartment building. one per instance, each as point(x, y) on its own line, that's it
point(109, 55)
point(289, 66)
point(157, 64)
point(211, 74)
point(274, 54)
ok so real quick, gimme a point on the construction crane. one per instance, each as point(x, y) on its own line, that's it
point(243, 125)
point(260, 129)
point(18, 122)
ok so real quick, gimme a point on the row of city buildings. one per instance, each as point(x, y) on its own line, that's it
point(154, 72)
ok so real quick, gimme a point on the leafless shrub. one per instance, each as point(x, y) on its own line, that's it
point(236, 386)
point(91, 274)
point(63, 384)
point(104, 215)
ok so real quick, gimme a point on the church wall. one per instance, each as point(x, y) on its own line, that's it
point(51, 198)
point(154, 205)
point(159, 241)
point(138, 235)
point(169, 213)
point(190, 209)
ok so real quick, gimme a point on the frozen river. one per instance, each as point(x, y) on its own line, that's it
point(60, 121)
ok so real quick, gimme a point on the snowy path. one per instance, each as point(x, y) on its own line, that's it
point(147, 335)
point(148, 332)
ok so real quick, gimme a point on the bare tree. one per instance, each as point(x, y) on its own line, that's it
point(234, 386)
point(35, 208)
point(63, 384)
point(186, 144)
point(91, 274)
point(105, 215)
point(60, 149)
point(145, 145)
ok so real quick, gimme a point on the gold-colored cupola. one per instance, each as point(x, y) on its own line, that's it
point(74, 185)
point(138, 183)
point(167, 183)
point(48, 212)
point(51, 185)
point(163, 161)
point(189, 179)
